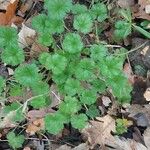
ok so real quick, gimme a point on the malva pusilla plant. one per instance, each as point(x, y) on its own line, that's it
point(81, 72)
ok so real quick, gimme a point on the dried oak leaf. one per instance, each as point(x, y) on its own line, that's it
point(35, 126)
point(9, 16)
point(99, 132)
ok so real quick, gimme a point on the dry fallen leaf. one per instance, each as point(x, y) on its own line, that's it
point(99, 132)
point(128, 72)
point(125, 3)
point(147, 94)
point(35, 114)
point(35, 126)
point(9, 17)
point(143, 9)
point(24, 33)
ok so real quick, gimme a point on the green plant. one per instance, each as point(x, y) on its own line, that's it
point(121, 126)
point(11, 54)
point(123, 28)
point(15, 141)
point(81, 72)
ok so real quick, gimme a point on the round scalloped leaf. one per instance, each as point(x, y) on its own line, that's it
point(69, 106)
point(72, 43)
point(38, 102)
point(40, 88)
point(98, 52)
point(83, 23)
point(56, 25)
point(79, 121)
point(8, 36)
point(46, 60)
point(12, 55)
point(79, 9)
point(58, 8)
point(27, 74)
point(41, 23)
point(45, 39)
point(72, 87)
point(59, 63)
point(122, 29)
point(99, 12)
point(54, 123)
point(88, 97)
point(15, 141)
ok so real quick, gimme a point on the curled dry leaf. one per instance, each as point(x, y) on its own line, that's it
point(35, 126)
point(9, 16)
point(99, 132)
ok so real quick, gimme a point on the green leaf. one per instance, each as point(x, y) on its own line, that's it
point(122, 29)
point(18, 117)
point(85, 69)
point(111, 66)
point(123, 94)
point(60, 78)
point(12, 55)
point(40, 88)
point(8, 36)
point(58, 9)
point(99, 12)
point(15, 141)
point(98, 52)
point(46, 60)
point(121, 126)
point(2, 84)
point(57, 25)
point(41, 23)
point(79, 9)
point(142, 31)
point(45, 39)
point(38, 102)
point(59, 63)
point(83, 23)
point(72, 87)
point(69, 106)
point(27, 74)
point(16, 90)
point(72, 43)
point(99, 85)
point(55, 123)
point(88, 97)
point(93, 112)
point(79, 121)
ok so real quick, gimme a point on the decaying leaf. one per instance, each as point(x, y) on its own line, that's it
point(35, 126)
point(142, 11)
point(147, 94)
point(125, 3)
point(128, 72)
point(99, 132)
point(6, 122)
point(10, 17)
point(24, 33)
point(35, 114)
